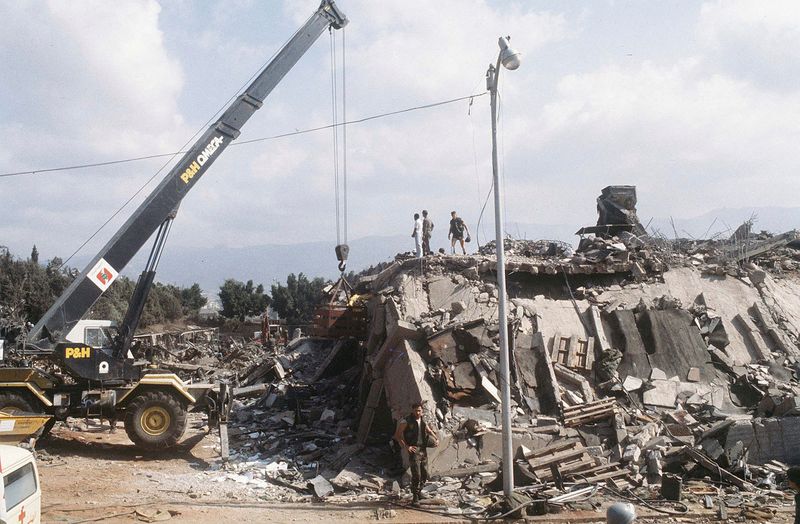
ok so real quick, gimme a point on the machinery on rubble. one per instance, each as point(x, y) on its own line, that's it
point(100, 376)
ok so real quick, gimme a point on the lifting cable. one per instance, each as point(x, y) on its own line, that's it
point(340, 183)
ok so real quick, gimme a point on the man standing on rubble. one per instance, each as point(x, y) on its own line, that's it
point(427, 229)
point(457, 229)
point(793, 476)
point(415, 436)
point(416, 234)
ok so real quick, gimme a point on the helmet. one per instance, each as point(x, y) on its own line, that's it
point(620, 513)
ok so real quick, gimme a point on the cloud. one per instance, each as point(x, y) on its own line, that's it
point(756, 40)
point(679, 133)
point(686, 123)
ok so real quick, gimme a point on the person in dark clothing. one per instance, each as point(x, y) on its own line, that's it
point(415, 436)
point(457, 229)
point(793, 475)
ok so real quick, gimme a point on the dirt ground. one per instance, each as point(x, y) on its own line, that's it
point(91, 475)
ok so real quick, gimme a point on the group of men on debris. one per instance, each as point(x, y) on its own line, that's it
point(423, 229)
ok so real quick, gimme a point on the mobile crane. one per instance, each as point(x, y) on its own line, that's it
point(101, 377)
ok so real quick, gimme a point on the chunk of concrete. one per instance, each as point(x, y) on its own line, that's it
point(632, 383)
point(693, 375)
point(657, 374)
point(664, 393)
point(321, 487)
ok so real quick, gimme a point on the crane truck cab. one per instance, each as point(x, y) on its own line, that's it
point(21, 499)
point(94, 333)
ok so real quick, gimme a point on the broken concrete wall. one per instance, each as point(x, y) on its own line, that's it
point(780, 297)
point(768, 439)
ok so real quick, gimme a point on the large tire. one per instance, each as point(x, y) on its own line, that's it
point(18, 402)
point(15, 402)
point(155, 420)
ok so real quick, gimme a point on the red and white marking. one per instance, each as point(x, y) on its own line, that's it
point(102, 274)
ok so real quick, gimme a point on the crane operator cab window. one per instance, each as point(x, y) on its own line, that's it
point(99, 337)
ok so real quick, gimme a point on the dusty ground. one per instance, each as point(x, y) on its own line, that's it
point(89, 475)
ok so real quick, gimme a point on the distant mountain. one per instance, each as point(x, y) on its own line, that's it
point(723, 222)
point(210, 266)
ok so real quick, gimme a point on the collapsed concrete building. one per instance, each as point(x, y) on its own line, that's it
point(635, 361)
point(630, 345)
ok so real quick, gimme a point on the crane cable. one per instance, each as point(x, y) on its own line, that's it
point(340, 182)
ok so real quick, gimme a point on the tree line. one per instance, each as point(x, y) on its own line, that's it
point(28, 289)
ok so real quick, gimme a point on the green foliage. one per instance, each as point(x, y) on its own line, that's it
point(192, 299)
point(240, 300)
point(165, 302)
point(296, 301)
point(28, 289)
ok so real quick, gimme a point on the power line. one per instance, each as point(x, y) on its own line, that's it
point(244, 142)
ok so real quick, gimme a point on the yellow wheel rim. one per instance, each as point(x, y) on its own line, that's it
point(155, 420)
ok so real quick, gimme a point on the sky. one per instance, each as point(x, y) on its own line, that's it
point(695, 103)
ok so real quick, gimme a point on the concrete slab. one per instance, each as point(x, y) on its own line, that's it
point(768, 439)
point(415, 299)
point(408, 385)
point(727, 295)
point(451, 453)
point(440, 292)
point(632, 383)
point(664, 394)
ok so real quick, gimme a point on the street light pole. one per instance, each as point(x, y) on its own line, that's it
point(510, 60)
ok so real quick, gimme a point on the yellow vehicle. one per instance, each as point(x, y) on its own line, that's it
point(98, 377)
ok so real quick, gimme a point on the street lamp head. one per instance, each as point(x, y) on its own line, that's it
point(509, 57)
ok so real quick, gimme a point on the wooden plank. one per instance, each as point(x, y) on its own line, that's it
point(556, 347)
point(599, 333)
point(588, 418)
point(565, 468)
point(558, 446)
point(536, 463)
point(589, 366)
point(572, 352)
point(606, 476)
point(603, 402)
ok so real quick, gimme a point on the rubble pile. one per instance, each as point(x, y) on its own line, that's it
point(641, 361)
point(206, 361)
point(660, 372)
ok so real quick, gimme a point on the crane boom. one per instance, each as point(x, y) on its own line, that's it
point(104, 268)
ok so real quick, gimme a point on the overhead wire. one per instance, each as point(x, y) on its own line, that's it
point(252, 140)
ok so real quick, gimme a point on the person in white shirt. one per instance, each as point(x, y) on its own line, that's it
point(417, 235)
